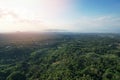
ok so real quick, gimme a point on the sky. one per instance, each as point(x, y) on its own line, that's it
point(61, 15)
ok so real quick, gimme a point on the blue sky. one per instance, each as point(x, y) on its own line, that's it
point(69, 15)
point(98, 7)
point(91, 16)
point(105, 14)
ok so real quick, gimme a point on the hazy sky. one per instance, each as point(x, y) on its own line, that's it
point(70, 15)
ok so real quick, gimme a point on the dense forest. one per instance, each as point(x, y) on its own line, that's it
point(59, 56)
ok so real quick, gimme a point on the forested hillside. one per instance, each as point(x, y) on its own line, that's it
point(60, 56)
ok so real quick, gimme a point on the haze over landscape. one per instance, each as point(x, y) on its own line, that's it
point(59, 39)
point(66, 15)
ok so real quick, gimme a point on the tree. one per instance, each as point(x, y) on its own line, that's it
point(16, 76)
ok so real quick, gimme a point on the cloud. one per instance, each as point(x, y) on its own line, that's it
point(42, 8)
point(4, 13)
point(97, 24)
point(10, 21)
point(37, 14)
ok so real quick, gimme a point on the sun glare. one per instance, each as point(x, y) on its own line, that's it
point(29, 15)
